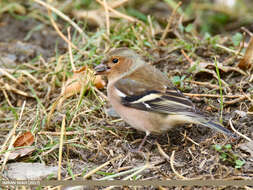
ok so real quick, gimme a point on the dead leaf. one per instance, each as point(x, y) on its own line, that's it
point(26, 139)
point(99, 82)
point(246, 61)
point(79, 79)
point(247, 147)
point(20, 153)
point(29, 171)
point(73, 85)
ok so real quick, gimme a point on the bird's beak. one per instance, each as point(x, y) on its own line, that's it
point(101, 68)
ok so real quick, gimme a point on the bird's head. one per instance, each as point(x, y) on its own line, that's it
point(119, 61)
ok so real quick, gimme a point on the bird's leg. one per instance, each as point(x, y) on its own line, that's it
point(138, 150)
point(143, 141)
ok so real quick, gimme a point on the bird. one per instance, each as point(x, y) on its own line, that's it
point(145, 98)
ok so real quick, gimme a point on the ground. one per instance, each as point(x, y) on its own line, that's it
point(202, 62)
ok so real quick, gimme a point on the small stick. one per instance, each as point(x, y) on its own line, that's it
point(247, 31)
point(188, 138)
point(59, 31)
point(212, 95)
point(121, 15)
point(170, 21)
point(151, 28)
point(58, 133)
point(13, 89)
point(172, 166)
point(107, 17)
point(235, 100)
point(6, 73)
point(166, 156)
point(228, 50)
point(70, 51)
point(237, 132)
point(173, 169)
point(61, 146)
point(187, 57)
point(6, 155)
point(7, 98)
point(25, 72)
point(63, 16)
point(207, 84)
point(12, 137)
point(101, 94)
point(101, 166)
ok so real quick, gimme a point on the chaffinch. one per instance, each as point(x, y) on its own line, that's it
point(142, 95)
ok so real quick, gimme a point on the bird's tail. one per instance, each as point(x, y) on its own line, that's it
point(218, 127)
point(199, 119)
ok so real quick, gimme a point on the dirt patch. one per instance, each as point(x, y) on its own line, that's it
point(92, 136)
point(27, 38)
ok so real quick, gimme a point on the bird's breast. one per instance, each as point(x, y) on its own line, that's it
point(141, 120)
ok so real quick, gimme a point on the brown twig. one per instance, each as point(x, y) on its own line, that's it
point(206, 84)
point(213, 95)
point(236, 100)
point(166, 156)
point(58, 133)
point(119, 14)
point(7, 74)
point(172, 166)
point(187, 57)
point(247, 31)
point(188, 138)
point(7, 87)
point(151, 28)
point(74, 140)
point(101, 94)
point(7, 98)
point(63, 16)
point(70, 51)
point(100, 167)
point(228, 49)
point(107, 17)
point(59, 31)
point(237, 132)
point(170, 21)
point(61, 147)
point(11, 137)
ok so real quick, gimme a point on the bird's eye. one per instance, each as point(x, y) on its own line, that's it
point(115, 60)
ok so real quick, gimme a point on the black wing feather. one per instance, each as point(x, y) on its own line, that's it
point(170, 102)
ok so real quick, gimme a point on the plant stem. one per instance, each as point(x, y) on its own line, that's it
point(221, 93)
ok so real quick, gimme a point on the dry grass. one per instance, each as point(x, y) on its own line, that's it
point(94, 145)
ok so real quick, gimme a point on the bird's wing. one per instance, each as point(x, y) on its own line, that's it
point(145, 78)
point(137, 94)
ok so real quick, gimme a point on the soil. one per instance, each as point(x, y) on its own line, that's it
point(102, 137)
